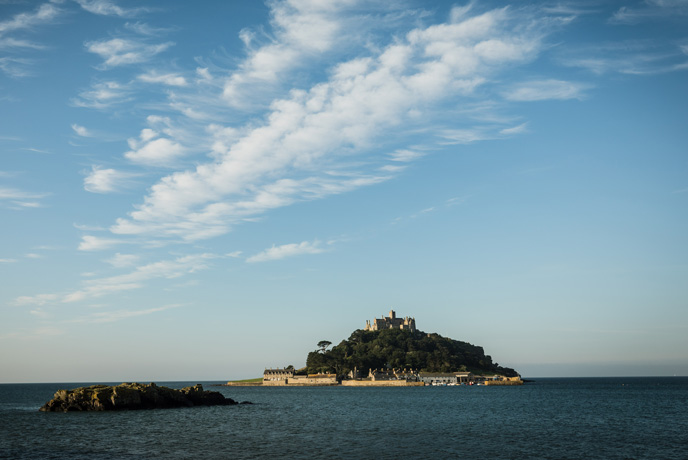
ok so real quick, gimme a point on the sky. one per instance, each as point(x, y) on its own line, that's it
point(201, 190)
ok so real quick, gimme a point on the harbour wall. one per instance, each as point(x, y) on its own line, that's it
point(381, 383)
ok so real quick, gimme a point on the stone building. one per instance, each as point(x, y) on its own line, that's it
point(286, 377)
point(408, 375)
point(391, 322)
point(277, 376)
point(438, 378)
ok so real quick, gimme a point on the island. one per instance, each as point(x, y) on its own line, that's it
point(132, 396)
point(391, 351)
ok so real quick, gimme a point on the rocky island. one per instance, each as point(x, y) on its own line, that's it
point(391, 351)
point(132, 396)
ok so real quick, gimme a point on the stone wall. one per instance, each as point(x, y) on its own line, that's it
point(380, 383)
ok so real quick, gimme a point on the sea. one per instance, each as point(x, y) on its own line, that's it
point(548, 418)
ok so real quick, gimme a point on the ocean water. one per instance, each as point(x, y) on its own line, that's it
point(586, 418)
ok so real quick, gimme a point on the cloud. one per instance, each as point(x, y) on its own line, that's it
point(468, 136)
point(20, 66)
point(649, 10)
point(103, 95)
point(95, 288)
point(302, 29)
point(519, 129)
point(17, 199)
point(301, 32)
point(541, 90)
point(631, 57)
point(405, 155)
point(108, 8)
point(152, 150)
point(167, 269)
point(169, 79)
point(81, 131)
point(145, 29)
point(118, 315)
point(39, 300)
point(123, 260)
point(305, 145)
point(9, 43)
point(88, 228)
point(39, 313)
point(121, 51)
point(7, 261)
point(94, 243)
point(286, 250)
point(107, 180)
point(45, 13)
point(16, 67)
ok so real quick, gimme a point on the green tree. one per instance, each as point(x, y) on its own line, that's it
point(323, 344)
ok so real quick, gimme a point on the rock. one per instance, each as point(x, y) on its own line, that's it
point(131, 396)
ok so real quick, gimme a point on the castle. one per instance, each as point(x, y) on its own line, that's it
point(391, 322)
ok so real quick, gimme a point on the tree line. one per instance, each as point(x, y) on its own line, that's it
point(399, 349)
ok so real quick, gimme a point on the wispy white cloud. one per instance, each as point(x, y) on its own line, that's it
point(30, 149)
point(17, 199)
point(287, 250)
point(469, 135)
point(16, 67)
point(142, 28)
point(102, 95)
point(39, 313)
point(118, 315)
point(650, 10)
point(541, 90)
point(94, 243)
point(21, 66)
point(519, 129)
point(121, 51)
point(39, 300)
point(7, 261)
point(89, 228)
point(107, 180)
point(303, 148)
point(123, 260)
point(169, 79)
point(12, 43)
point(446, 204)
point(406, 155)
point(45, 13)
point(81, 131)
point(634, 57)
point(108, 8)
point(99, 287)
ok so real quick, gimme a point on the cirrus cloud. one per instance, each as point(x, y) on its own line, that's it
point(541, 90)
point(286, 250)
point(121, 51)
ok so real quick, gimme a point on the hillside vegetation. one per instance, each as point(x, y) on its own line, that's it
point(396, 348)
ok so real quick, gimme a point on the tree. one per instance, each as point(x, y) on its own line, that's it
point(323, 344)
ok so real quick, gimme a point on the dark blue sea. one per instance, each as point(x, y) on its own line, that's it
point(583, 418)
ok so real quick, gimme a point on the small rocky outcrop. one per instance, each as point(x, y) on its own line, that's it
point(131, 396)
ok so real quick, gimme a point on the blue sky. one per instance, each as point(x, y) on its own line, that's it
point(202, 190)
